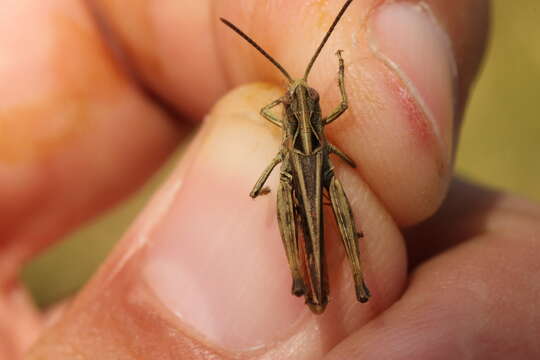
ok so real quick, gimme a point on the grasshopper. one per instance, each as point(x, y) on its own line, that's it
point(306, 176)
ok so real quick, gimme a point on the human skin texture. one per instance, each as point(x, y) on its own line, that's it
point(96, 94)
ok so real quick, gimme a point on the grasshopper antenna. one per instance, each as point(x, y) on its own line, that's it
point(328, 33)
point(256, 46)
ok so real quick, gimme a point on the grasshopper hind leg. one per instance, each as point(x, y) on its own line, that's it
point(287, 228)
point(349, 234)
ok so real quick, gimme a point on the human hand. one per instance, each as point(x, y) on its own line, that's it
point(202, 273)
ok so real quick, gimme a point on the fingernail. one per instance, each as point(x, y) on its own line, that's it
point(416, 48)
point(216, 258)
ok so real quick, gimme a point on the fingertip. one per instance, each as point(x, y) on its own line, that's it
point(204, 270)
point(204, 259)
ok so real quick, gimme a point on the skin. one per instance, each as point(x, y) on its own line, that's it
point(462, 284)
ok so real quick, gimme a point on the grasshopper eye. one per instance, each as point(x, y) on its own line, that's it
point(313, 94)
point(287, 99)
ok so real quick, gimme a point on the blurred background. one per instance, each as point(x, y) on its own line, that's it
point(500, 146)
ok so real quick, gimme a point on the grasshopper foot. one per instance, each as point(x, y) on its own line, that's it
point(362, 292)
point(265, 190)
point(298, 287)
point(316, 308)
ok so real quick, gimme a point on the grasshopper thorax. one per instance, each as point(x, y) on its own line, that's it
point(303, 114)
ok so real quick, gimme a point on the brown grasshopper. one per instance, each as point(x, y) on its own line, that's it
point(306, 172)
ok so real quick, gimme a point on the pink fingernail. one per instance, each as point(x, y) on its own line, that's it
point(410, 41)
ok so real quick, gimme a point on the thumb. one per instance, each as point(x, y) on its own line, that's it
point(202, 273)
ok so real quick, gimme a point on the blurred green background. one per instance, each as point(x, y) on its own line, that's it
point(500, 146)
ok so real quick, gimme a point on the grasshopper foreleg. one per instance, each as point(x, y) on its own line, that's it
point(349, 235)
point(287, 228)
point(258, 188)
point(344, 102)
point(265, 113)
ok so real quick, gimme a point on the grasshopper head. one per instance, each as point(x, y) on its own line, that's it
point(299, 89)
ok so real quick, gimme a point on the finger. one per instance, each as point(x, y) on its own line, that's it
point(76, 133)
point(478, 300)
point(171, 47)
point(19, 323)
point(409, 66)
point(420, 243)
point(203, 272)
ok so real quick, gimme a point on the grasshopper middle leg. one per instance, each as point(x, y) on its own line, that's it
point(349, 235)
point(258, 188)
point(334, 150)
